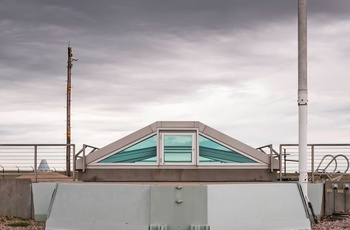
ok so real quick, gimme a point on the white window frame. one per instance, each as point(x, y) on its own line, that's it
point(192, 133)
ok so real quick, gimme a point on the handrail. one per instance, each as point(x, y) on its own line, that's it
point(3, 171)
point(32, 153)
point(82, 157)
point(270, 147)
point(272, 155)
point(333, 159)
point(347, 160)
point(318, 151)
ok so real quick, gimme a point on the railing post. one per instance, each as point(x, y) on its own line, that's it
point(74, 158)
point(84, 160)
point(3, 171)
point(312, 163)
point(271, 158)
point(280, 151)
point(35, 163)
point(285, 161)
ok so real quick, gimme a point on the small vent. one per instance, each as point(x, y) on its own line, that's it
point(200, 227)
point(158, 227)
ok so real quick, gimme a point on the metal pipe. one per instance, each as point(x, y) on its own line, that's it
point(312, 163)
point(335, 191)
point(280, 159)
point(84, 160)
point(346, 191)
point(285, 162)
point(3, 171)
point(74, 163)
point(271, 158)
point(302, 93)
point(36, 163)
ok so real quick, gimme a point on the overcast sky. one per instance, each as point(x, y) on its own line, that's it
point(231, 64)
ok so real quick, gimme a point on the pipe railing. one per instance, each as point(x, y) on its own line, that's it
point(272, 153)
point(317, 154)
point(21, 156)
point(83, 157)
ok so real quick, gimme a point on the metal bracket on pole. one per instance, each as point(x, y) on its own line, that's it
point(302, 97)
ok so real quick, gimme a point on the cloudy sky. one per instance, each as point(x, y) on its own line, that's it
point(231, 64)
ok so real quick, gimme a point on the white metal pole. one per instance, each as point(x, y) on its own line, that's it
point(302, 93)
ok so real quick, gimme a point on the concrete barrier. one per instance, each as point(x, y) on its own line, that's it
point(257, 206)
point(315, 194)
point(100, 206)
point(264, 206)
point(337, 197)
point(16, 197)
point(42, 195)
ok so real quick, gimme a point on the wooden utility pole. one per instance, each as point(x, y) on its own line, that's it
point(69, 89)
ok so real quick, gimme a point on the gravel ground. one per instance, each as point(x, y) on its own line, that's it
point(5, 221)
point(13, 223)
point(328, 224)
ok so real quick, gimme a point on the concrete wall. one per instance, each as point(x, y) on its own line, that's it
point(16, 197)
point(315, 195)
point(262, 206)
point(42, 194)
point(96, 206)
point(337, 197)
point(178, 175)
point(100, 206)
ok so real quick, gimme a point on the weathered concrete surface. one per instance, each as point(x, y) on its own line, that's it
point(42, 194)
point(16, 197)
point(315, 195)
point(337, 197)
point(100, 206)
point(246, 206)
point(178, 175)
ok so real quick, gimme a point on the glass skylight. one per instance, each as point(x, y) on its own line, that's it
point(142, 152)
point(213, 152)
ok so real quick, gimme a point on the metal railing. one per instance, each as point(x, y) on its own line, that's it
point(272, 154)
point(21, 159)
point(337, 165)
point(84, 152)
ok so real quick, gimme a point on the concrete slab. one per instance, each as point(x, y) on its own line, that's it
point(97, 206)
point(42, 195)
point(315, 195)
point(256, 206)
point(16, 197)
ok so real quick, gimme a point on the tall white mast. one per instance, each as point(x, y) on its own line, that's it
point(302, 93)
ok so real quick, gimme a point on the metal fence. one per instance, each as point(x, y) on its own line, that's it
point(324, 160)
point(20, 159)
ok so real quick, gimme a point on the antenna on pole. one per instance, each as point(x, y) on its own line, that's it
point(69, 89)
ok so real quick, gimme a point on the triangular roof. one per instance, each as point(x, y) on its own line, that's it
point(220, 150)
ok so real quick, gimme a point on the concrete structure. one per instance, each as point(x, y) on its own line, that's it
point(16, 198)
point(264, 206)
point(177, 151)
point(337, 197)
point(316, 197)
point(42, 194)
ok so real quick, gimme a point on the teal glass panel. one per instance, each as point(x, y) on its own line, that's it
point(177, 148)
point(142, 152)
point(213, 152)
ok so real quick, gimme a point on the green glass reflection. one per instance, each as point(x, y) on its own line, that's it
point(142, 152)
point(213, 152)
point(178, 148)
